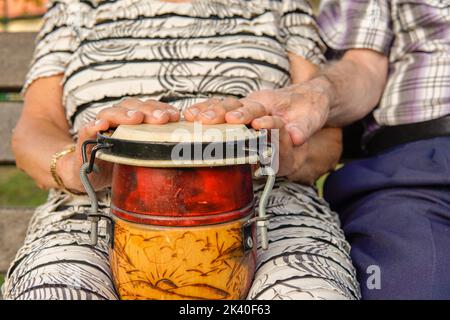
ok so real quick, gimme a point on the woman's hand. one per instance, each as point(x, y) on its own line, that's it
point(128, 111)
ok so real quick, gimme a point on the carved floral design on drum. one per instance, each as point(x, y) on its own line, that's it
point(206, 262)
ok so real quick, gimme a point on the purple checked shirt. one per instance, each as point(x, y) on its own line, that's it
point(415, 35)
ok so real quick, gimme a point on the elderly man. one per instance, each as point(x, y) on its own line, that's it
point(393, 71)
point(395, 204)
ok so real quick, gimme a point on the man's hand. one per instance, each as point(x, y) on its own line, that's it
point(301, 162)
point(303, 109)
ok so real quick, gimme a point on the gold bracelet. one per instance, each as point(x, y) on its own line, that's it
point(68, 149)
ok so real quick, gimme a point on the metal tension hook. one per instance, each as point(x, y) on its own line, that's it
point(262, 221)
point(87, 167)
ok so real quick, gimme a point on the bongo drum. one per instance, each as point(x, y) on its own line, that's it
point(182, 223)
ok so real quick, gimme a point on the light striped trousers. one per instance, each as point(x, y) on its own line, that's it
point(308, 257)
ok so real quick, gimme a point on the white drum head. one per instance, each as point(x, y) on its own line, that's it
point(152, 144)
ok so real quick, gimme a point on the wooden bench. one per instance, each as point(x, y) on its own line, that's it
point(15, 54)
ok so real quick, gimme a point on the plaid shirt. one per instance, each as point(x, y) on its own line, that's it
point(415, 35)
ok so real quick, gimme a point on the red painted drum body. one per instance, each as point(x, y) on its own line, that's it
point(180, 230)
point(182, 196)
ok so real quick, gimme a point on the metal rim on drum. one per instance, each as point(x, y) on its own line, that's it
point(244, 149)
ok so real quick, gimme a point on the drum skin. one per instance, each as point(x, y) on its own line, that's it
point(206, 262)
point(178, 232)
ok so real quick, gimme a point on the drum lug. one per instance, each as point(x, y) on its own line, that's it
point(110, 232)
point(266, 169)
point(86, 168)
point(247, 238)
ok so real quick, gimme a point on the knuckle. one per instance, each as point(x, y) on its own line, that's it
point(83, 131)
point(219, 108)
point(101, 113)
point(152, 102)
point(130, 103)
point(260, 108)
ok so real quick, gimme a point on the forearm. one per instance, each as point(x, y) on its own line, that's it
point(34, 143)
point(348, 89)
point(354, 90)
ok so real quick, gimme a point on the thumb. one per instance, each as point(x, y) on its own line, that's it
point(89, 132)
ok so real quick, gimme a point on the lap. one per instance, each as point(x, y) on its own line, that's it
point(57, 260)
point(407, 238)
point(307, 257)
point(395, 213)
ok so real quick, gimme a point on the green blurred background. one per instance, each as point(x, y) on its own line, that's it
point(17, 189)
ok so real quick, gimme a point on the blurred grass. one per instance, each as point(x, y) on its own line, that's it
point(18, 189)
point(315, 4)
point(2, 279)
point(320, 183)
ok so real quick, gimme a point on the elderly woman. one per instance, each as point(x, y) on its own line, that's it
point(211, 61)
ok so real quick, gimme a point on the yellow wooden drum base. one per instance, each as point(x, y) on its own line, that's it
point(206, 262)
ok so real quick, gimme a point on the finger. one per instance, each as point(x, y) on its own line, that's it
point(129, 103)
point(268, 122)
point(281, 139)
point(119, 115)
point(215, 113)
point(174, 113)
point(302, 124)
point(191, 113)
point(247, 113)
point(303, 117)
point(89, 132)
point(277, 127)
point(155, 112)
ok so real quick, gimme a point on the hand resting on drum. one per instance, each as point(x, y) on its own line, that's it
point(43, 130)
point(128, 111)
point(303, 162)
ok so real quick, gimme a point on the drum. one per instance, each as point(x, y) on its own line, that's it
point(182, 223)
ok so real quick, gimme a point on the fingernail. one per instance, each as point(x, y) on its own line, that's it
point(236, 114)
point(131, 113)
point(193, 111)
point(157, 114)
point(98, 122)
point(208, 114)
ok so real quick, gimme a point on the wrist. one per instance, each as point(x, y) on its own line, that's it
point(68, 173)
point(321, 90)
point(323, 84)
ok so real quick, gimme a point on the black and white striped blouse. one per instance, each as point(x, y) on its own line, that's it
point(179, 53)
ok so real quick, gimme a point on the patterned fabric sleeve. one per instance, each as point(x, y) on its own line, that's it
point(56, 40)
point(356, 24)
point(299, 31)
